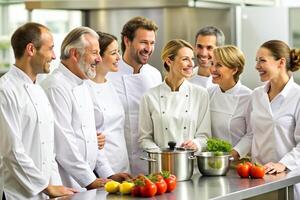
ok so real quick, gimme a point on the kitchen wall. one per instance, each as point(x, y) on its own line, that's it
point(256, 26)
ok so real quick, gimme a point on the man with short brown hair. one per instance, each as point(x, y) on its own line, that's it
point(134, 78)
point(29, 169)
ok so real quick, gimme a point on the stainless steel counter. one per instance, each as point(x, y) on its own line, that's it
point(228, 187)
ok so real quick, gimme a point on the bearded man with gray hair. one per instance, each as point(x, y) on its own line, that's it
point(75, 131)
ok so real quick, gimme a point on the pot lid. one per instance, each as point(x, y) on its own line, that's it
point(172, 149)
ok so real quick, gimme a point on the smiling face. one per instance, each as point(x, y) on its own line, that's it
point(182, 64)
point(139, 50)
point(110, 58)
point(40, 62)
point(267, 67)
point(222, 75)
point(90, 58)
point(204, 49)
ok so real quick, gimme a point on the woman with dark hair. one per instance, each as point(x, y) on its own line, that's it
point(275, 109)
point(109, 113)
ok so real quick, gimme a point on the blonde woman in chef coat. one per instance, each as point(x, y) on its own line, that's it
point(229, 99)
point(176, 110)
point(275, 108)
point(109, 113)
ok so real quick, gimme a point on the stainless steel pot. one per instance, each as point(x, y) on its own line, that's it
point(178, 161)
point(213, 164)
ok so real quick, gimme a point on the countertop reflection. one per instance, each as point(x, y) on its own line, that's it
point(208, 187)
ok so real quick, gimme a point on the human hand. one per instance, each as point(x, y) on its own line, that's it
point(101, 140)
point(97, 183)
point(119, 177)
point(235, 154)
point(189, 144)
point(58, 191)
point(274, 168)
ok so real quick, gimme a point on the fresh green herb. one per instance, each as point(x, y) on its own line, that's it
point(218, 145)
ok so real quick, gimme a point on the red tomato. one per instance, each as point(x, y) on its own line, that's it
point(148, 190)
point(136, 191)
point(243, 170)
point(249, 163)
point(161, 186)
point(171, 183)
point(170, 180)
point(257, 171)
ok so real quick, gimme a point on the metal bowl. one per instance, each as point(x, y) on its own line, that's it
point(214, 163)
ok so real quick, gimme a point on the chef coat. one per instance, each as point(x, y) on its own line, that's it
point(203, 81)
point(177, 116)
point(75, 132)
point(130, 88)
point(110, 120)
point(229, 115)
point(276, 125)
point(27, 138)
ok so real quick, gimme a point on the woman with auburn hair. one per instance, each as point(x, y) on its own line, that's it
point(275, 109)
point(175, 110)
point(229, 99)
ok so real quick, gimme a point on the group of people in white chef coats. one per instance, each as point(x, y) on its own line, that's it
point(264, 123)
point(99, 106)
point(81, 114)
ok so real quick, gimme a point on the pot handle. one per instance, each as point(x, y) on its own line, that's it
point(192, 157)
point(148, 159)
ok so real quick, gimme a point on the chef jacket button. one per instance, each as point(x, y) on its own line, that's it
point(43, 142)
point(163, 112)
point(186, 95)
point(186, 111)
point(161, 96)
point(44, 163)
point(184, 127)
point(40, 122)
point(166, 128)
point(87, 141)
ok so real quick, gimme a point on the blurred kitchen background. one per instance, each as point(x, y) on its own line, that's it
point(246, 23)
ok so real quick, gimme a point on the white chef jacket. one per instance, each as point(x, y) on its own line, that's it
point(131, 88)
point(276, 125)
point(203, 81)
point(110, 120)
point(27, 138)
point(75, 132)
point(177, 116)
point(229, 115)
